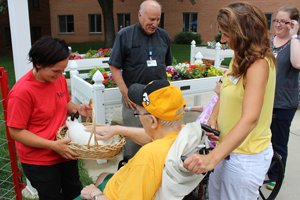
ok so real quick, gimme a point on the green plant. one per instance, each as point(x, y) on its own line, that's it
point(185, 70)
point(187, 38)
point(108, 80)
point(218, 37)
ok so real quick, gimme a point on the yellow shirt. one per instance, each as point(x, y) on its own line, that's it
point(231, 100)
point(141, 177)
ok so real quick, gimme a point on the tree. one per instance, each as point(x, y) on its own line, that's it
point(3, 6)
point(108, 17)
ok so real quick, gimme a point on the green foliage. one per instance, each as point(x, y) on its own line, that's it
point(85, 46)
point(187, 38)
point(91, 54)
point(84, 176)
point(3, 6)
point(218, 37)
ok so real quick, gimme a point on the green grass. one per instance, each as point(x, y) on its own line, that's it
point(7, 63)
point(84, 47)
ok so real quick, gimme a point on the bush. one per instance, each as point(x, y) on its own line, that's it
point(187, 38)
point(218, 37)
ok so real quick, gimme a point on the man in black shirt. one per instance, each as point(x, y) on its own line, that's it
point(140, 54)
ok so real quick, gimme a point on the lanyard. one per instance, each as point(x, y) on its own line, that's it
point(150, 55)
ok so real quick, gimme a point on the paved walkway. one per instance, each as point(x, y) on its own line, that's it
point(290, 189)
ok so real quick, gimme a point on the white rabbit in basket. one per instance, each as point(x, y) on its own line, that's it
point(78, 133)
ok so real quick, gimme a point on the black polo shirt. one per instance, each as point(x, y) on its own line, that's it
point(132, 49)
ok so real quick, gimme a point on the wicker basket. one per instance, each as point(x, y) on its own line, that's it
point(97, 151)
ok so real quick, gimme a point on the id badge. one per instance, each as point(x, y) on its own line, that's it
point(151, 63)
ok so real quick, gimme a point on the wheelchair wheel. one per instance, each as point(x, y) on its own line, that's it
point(271, 194)
point(200, 192)
point(203, 189)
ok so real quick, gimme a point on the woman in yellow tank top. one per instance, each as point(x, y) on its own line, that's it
point(243, 113)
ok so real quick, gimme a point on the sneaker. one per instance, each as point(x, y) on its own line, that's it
point(270, 185)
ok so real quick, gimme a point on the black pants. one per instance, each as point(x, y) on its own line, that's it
point(54, 182)
point(130, 147)
point(280, 127)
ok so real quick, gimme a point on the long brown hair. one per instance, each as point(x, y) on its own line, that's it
point(246, 26)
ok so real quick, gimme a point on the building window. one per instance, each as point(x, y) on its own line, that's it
point(123, 20)
point(95, 23)
point(269, 19)
point(162, 21)
point(36, 33)
point(66, 23)
point(190, 22)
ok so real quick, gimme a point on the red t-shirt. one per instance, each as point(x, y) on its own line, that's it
point(41, 108)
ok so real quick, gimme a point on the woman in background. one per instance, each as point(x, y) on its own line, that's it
point(286, 48)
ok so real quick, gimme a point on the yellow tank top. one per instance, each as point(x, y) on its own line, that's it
point(231, 100)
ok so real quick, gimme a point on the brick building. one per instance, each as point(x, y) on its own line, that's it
point(86, 20)
point(39, 15)
point(81, 21)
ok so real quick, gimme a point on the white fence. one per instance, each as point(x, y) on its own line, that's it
point(107, 100)
point(216, 54)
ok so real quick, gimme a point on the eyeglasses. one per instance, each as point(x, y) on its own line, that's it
point(137, 113)
point(280, 21)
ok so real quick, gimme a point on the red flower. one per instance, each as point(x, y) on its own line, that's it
point(105, 75)
point(193, 66)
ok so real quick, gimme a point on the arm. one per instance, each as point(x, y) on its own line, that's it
point(138, 135)
point(193, 109)
point(212, 122)
point(29, 139)
point(255, 85)
point(118, 78)
point(295, 45)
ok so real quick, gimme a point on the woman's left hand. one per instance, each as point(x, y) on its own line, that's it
point(85, 110)
point(294, 27)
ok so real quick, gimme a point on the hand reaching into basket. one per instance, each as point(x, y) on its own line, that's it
point(61, 147)
point(105, 132)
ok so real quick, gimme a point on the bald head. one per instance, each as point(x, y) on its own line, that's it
point(149, 16)
point(149, 3)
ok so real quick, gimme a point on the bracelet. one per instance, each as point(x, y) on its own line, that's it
point(188, 109)
point(294, 36)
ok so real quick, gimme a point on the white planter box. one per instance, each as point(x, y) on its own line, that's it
point(108, 99)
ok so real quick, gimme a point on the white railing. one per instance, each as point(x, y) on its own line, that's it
point(107, 100)
point(216, 54)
